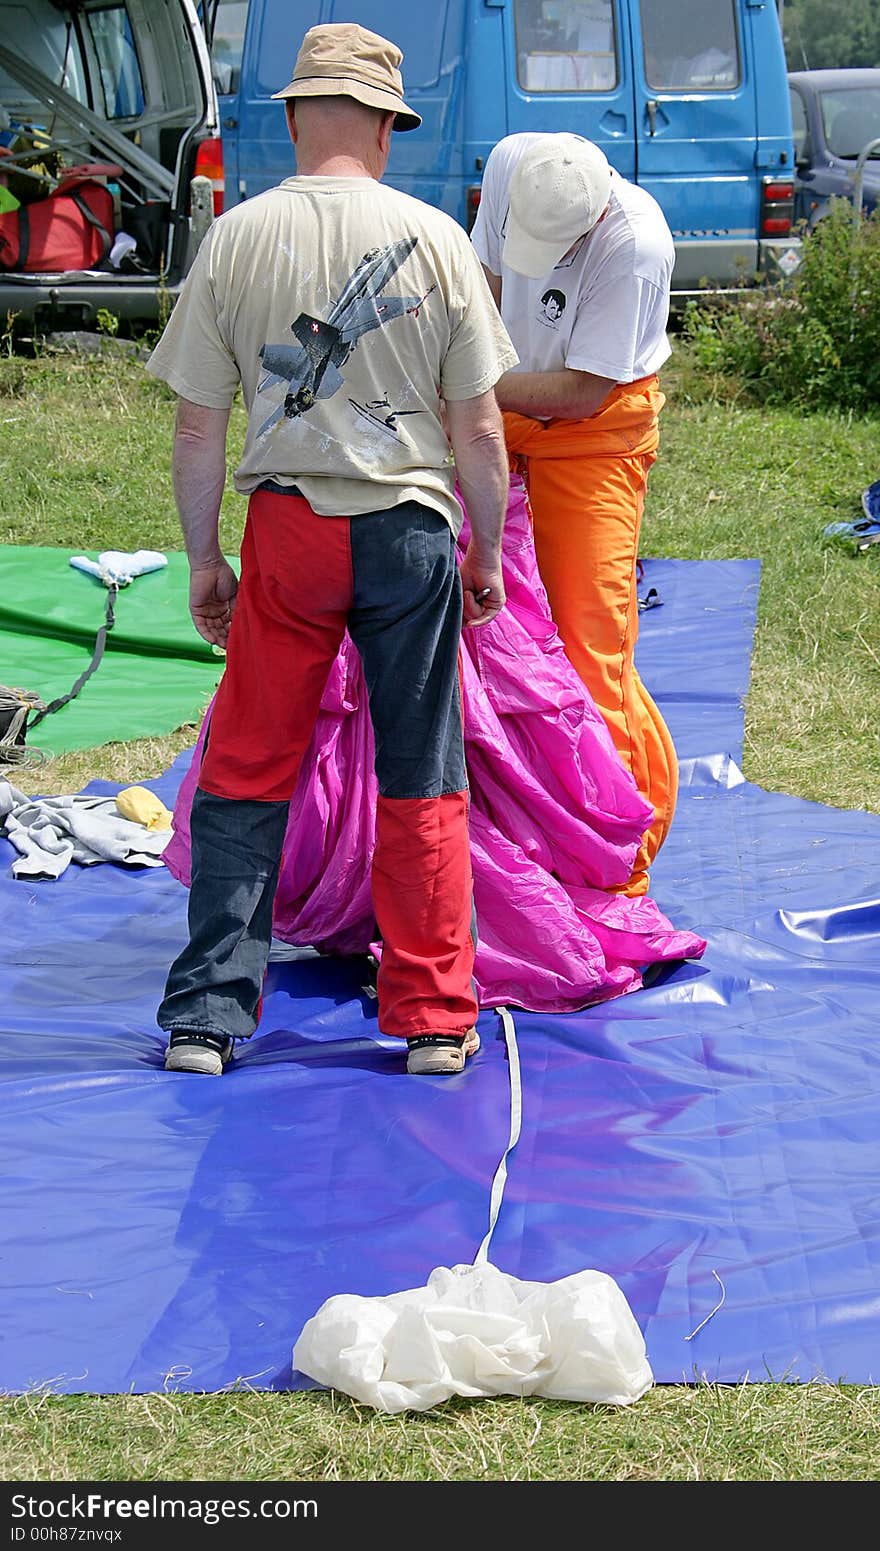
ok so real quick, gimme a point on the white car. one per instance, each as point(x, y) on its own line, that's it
point(128, 86)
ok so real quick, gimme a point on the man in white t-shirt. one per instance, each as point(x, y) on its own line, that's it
point(579, 262)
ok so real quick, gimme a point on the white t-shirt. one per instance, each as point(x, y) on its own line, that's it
point(605, 307)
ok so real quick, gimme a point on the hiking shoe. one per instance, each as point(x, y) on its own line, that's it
point(189, 1051)
point(435, 1055)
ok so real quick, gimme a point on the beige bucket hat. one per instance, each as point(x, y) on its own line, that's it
point(343, 59)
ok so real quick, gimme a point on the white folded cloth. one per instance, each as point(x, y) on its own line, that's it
point(475, 1330)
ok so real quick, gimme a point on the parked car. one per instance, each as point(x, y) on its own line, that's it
point(126, 91)
point(835, 114)
point(686, 97)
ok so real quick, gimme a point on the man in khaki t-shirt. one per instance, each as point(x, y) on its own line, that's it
point(349, 314)
point(346, 310)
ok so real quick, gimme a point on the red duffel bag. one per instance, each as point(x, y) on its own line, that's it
point(72, 229)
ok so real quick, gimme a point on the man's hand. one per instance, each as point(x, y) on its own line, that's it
point(212, 591)
point(483, 588)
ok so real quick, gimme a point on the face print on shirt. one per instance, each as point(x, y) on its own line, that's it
point(550, 308)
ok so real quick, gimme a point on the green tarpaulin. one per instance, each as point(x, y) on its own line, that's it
point(156, 673)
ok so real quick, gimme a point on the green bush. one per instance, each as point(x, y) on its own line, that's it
point(815, 341)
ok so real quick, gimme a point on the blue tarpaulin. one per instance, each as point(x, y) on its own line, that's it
point(708, 1140)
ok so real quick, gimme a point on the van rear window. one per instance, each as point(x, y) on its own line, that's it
point(417, 29)
point(566, 45)
point(227, 44)
point(279, 36)
point(690, 45)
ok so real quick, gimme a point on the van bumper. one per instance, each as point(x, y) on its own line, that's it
point(52, 302)
point(730, 263)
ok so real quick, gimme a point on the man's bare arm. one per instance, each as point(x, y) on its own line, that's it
point(477, 438)
point(562, 395)
point(494, 282)
point(199, 474)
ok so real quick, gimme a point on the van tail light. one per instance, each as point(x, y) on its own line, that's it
point(472, 204)
point(777, 207)
point(209, 164)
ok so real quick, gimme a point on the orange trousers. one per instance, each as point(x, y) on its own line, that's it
point(586, 481)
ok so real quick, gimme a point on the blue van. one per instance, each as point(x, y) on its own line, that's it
point(688, 98)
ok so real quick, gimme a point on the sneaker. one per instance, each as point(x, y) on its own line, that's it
point(189, 1051)
point(435, 1055)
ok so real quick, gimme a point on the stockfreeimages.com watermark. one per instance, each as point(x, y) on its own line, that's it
point(61, 1518)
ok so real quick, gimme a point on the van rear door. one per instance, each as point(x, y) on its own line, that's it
point(224, 22)
point(568, 68)
point(253, 127)
point(425, 162)
point(696, 132)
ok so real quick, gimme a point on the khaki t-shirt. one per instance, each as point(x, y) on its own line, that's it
point(346, 309)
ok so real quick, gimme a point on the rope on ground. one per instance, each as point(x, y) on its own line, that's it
point(712, 1312)
point(500, 1179)
point(97, 654)
point(15, 708)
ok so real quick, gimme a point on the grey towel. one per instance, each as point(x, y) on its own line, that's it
point(52, 832)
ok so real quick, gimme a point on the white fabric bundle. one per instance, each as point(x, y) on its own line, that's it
point(116, 568)
point(473, 1331)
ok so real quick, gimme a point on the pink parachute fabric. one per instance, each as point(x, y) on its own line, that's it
point(555, 818)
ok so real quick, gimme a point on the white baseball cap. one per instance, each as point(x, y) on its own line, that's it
point(559, 189)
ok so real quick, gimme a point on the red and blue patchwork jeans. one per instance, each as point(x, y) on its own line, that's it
point(390, 578)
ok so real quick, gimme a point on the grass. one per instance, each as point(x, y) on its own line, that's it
point(85, 456)
point(84, 464)
point(707, 1432)
point(736, 481)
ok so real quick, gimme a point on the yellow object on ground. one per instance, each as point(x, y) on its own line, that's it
point(143, 807)
point(586, 481)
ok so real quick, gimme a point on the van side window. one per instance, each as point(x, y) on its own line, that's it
point(121, 82)
point(690, 45)
point(55, 48)
point(566, 45)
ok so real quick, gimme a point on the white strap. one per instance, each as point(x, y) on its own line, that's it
point(500, 1179)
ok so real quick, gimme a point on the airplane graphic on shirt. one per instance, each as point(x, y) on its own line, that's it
point(312, 368)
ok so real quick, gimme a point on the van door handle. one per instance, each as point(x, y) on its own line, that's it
point(230, 123)
point(651, 109)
